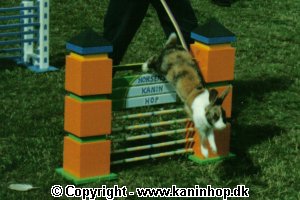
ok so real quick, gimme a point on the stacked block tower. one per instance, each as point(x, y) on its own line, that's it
point(215, 57)
point(88, 111)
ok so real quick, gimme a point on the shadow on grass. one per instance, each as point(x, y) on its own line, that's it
point(7, 64)
point(247, 136)
point(247, 92)
point(256, 89)
point(58, 60)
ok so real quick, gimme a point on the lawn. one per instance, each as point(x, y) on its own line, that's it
point(266, 101)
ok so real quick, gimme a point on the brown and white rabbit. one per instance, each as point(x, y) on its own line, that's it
point(201, 104)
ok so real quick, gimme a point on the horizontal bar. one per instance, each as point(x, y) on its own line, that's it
point(17, 41)
point(149, 125)
point(149, 114)
point(151, 156)
point(10, 57)
point(18, 8)
point(9, 17)
point(9, 26)
point(11, 50)
point(152, 135)
point(152, 146)
point(7, 34)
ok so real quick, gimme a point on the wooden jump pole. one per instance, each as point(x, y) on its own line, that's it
point(152, 156)
point(149, 114)
point(152, 135)
point(152, 146)
point(150, 125)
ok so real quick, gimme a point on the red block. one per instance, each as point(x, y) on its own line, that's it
point(88, 75)
point(86, 159)
point(87, 118)
point(216, 62)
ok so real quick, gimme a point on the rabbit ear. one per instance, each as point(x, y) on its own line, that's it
point(213, 96)
point(172, 40)
point(224, 94)
point(150, 63)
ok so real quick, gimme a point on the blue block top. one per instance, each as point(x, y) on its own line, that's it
point(213, 32)
point(89, 42)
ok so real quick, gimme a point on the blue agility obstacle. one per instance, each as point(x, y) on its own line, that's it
point(8, 34)
point(17, 17)
point(24, 35)
point(19, 8)
point(11, 26)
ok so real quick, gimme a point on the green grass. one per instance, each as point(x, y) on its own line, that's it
point(266, 131)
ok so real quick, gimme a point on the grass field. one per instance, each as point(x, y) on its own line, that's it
point(266, 131)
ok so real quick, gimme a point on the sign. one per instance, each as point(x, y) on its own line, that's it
point(151, 100)
point(148, 79)
point(153, 89)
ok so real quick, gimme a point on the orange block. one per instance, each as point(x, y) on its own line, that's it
point(222, 139)
point(87, 118)
point(227, 103)
point(216, 62)
point(88, 75)
point(86, 159)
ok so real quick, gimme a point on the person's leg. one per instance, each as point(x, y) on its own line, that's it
point(183, 13)
point(121, 22)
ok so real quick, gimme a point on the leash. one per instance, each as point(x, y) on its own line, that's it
point(175, 24)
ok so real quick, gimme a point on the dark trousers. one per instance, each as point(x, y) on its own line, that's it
point(124, 17)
